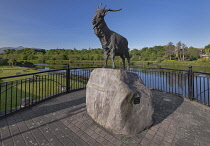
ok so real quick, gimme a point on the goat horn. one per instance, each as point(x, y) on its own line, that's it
point(114, 10)
point(99, 6)
point(104, 7)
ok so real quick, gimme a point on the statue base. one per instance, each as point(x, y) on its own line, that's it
point(119, 101)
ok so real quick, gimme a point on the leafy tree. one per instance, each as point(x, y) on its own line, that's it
point(184, 48)
point(41, 58)
point(207, 49)
point(170, 50)
point(31, 57)
point(178, 50)
point(11, 61)
point(192, 53)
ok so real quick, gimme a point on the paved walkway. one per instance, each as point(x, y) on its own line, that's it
point(64, 121)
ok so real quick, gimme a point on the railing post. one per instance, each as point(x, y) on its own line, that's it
point(190, 83)
point(68, 79)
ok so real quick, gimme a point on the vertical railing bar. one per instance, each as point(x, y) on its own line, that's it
point(197, 88)
point(42, 88)
point(48, 85)
point(182, 82)
point(0, 99)
point(208, 89)
point(200, 90)
point(6, 100)
point(11, 96)
point(166, 82)
point(21, 94)
point(57, 85)
point(33, 80)
point(53, 84)
point(169, 85)
point(16, 95)
point(159, 80)
point(173, 74)
point(77, 79)
point(61, 80)
point(204, 89)
point(25, 93)
point(39, 89)
point(36, 89)
point(45, 86)
point(29, 92)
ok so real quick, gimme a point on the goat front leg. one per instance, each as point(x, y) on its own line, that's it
point(106, 55)
point(112, 57)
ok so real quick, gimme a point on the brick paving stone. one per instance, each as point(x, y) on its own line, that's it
point(40, 138)
point(8, 144)
point(160, 134)
point(18, 140)
point(157, 139)
point(116, 141)
point(80, 142)
point(97, 144)
point(65, 140)
point(95, 136)
point(85, 137)
point(151, 132)
point(29, 138)
point(65, 122)
point(98, 130)
point(149, 136)
point(89, 131)
point(164, 143)
point(92, 142)
point(145, 142)
point(154, 144)
point(107, 143)
point(100, 139)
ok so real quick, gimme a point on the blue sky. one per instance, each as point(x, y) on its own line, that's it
point(67, 24)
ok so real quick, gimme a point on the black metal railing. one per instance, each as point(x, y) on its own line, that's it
point(186, 83)
point(20, 91)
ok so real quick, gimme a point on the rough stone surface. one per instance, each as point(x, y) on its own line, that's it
point(110, 101)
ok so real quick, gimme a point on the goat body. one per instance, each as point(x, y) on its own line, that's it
point(113, 43)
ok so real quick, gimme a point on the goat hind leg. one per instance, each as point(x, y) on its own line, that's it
point(123, 61)
point(113, 63)
point(128, 59)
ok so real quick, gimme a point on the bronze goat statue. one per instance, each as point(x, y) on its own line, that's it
point(112, 43)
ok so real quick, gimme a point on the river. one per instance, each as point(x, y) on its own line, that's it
point(45, 67)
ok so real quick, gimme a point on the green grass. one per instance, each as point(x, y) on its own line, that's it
point(12, 71)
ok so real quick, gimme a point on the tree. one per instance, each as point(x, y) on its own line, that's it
point(41, 58)
point(184, 48)
point(207, 49)
point(31, 57)
point(170, 48)
point(192, 53)
point(11, 61)
point(178, 50)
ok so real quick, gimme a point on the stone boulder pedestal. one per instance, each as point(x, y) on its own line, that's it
point(119, 101)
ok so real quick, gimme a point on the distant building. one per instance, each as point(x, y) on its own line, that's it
point(201, 50)
point(204, 55)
